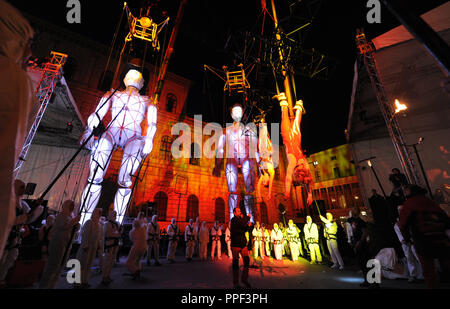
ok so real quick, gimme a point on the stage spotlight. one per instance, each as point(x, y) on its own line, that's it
point(145, 22)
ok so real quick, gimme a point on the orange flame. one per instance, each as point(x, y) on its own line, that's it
point(399, 106)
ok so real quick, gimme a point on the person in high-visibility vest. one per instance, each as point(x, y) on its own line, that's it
point(293, 239)
point(312, 239)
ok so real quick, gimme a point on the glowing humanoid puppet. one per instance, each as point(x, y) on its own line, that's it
point(298, 168)
point(128, 110)
point(240, 142)
point(312, 239)
point(265, 163)
point(329, 232)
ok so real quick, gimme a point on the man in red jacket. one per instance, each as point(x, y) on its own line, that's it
point(240, 225)
point(426, 223)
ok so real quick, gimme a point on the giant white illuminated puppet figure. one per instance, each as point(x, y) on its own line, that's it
point(298, 168)
point(128, 110)
point(241, 143)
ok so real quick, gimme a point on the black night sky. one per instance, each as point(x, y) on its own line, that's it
point(205, 28)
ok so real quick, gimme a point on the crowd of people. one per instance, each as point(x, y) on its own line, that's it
point(417, 238)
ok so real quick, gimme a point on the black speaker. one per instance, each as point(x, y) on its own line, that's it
point(29, 189)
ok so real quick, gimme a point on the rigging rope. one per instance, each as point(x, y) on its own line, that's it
point(112, 46)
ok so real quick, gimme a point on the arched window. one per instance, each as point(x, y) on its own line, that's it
point(195, 154)
point(165, 150)
point(161, 205)
point(264, 214)
point(220, 210)
point(171, 105)
point(192, 208)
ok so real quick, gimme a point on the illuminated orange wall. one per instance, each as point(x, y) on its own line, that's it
point(159, 174)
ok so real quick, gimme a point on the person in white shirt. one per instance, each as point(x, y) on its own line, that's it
point(153, 238)
point(172, 232)
point(203, 237)
point(258, 245)
point(111, 231)
point(329, 232)
point(138, 236)
point(189, 237)
point(90, 240)
point(277, 240)
point(196, 234)
point(413, 267)
point(59, 246)
point(216, 232)
point(267, 241)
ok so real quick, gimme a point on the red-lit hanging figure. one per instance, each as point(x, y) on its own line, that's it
point(298, 168)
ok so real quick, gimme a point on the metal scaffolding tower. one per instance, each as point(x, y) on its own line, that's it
point(367, 50)
point(51, 74)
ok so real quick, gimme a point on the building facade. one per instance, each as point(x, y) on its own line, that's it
point(335, 181)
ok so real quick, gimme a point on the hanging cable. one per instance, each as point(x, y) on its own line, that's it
point(112, 45)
